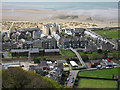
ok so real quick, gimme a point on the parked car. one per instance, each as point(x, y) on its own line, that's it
point(107, 67)
point(72, 81)
point(103, 67)
point(68, 79)
point(115, 66)
point(73, 78)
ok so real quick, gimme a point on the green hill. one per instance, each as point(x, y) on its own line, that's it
point(18, 78)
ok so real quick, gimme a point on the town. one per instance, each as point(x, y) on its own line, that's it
point(44, 51)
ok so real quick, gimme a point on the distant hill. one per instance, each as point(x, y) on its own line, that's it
point(18, 78)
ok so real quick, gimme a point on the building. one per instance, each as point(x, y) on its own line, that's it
point(49, 43)
point(51, 52)
point(107, 46)
point(37, 35)
point(13, 64)
point(37, 44)
point(91, 48)
point(69, 31)
point(55, 74)
point(94, 63)
point(34, 52)
point(79, 31)
point(74, 42)
point(9, 46)
point(19, 52)
point(27, 44)
point(73, 64)
point(45, 43)
point(49, 28)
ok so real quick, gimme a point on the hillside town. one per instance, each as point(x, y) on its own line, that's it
point(49, 41)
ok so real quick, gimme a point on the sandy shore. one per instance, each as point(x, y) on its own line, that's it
point(103, 18)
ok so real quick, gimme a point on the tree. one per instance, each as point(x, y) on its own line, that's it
point(18, 78)
point(99, 51)
point(105, 55)
point(84, 57)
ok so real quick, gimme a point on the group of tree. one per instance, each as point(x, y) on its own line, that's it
point(19, 78)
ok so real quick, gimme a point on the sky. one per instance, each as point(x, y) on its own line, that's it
point(60, 0)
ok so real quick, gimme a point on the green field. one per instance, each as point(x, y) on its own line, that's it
point(104, 73)
point(66, 52)
point(108, 33)
point(91, 83)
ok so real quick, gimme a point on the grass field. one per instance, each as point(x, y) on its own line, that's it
point(104, 73)
point(108, 33)
point(66, 52)
point(91, 83)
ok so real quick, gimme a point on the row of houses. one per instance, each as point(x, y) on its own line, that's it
point(74, 42)
point(33, 52)
point(74, 32)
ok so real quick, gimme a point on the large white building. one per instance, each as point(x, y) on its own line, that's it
point(73, 64)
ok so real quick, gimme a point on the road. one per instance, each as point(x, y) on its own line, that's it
point(79, 57)
point(11, 25)
point(73, 73)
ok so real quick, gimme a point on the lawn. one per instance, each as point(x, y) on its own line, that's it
point(108, 33)
point(104, 73)
point(91, 83)
point(66, 52)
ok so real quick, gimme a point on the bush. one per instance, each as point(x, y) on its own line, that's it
point(84, 57)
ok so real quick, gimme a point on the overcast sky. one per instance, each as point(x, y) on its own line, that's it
point(59, 0)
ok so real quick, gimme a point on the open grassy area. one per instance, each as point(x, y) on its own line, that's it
point(104, 73)
point(66, 52)
point(91, 83)
point(108, 33)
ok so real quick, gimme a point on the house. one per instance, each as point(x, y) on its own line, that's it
point(69, 31)
point(37, 35)
point(6, 46)
point(107, 46)
point(45, 43)
point(74, 42)
point(9, 46)
point(79, 31)
point(37, 44)
point(49, 43)
point(91, 48)
point(27, 44)
point(55, 74)
point(22, 36)
point(94, 63)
